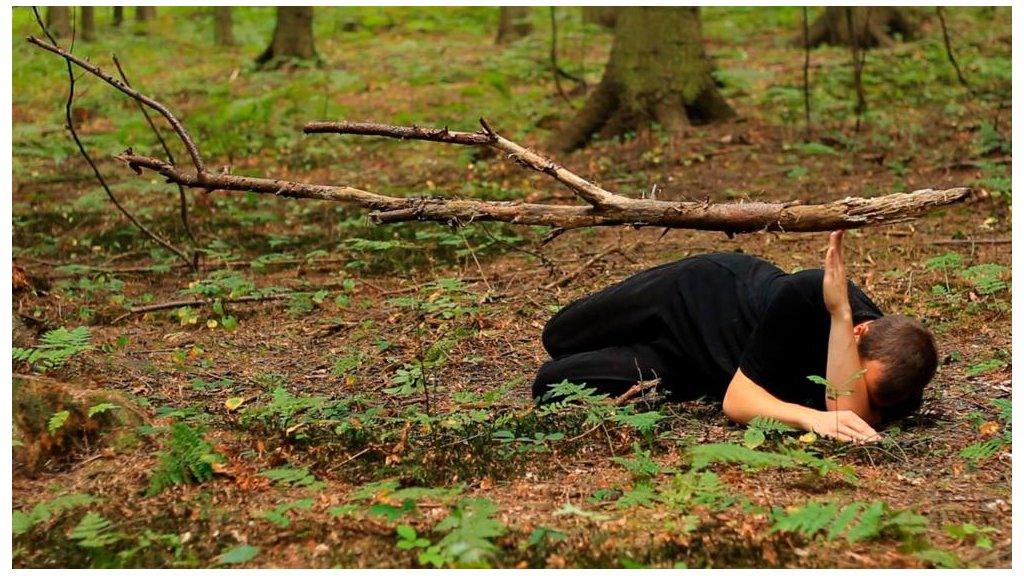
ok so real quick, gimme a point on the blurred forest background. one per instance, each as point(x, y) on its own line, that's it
point(282, 382)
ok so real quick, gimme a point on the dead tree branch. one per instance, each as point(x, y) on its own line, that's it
point(179, 129)
point(602, 208)
point(69, 118)
point(732, 218)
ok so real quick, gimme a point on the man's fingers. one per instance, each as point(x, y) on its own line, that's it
point(862, 427)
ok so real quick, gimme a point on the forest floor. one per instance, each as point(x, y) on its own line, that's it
point(379, 414)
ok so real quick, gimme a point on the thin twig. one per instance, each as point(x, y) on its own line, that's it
point(949, 50)
point(807, 74)
point(575, 273)
point(69, 118)
point(203, 302)
point(858, 63)
point(170, 157)
point(955, 242)
point(635, 390)
point(556, 70)
point(179, 129)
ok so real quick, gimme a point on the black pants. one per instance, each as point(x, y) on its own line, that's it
point(614, 338)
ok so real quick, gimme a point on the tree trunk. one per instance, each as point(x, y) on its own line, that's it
point(293, 38)
point(118, 16)
point(873, 26)
point(601, 15)
point(58, 20)
point(513, 23)
point(88, 23)
point(223, 35)
point(145, 13)
point(657, 72)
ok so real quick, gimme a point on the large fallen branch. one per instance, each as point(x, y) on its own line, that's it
point(603, 207)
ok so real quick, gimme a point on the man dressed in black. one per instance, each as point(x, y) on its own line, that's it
point(735, 328)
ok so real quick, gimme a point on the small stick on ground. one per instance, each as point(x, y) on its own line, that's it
point(956, 242)
point(575, 274)
point(636, 390)
point(202, 302)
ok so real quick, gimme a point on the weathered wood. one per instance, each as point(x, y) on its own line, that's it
point(636, 212)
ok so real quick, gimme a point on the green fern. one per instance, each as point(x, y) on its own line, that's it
point(769, 425)
point(43, 511)
point(295, 477)
point(979, 451)
point(855, 522)
point(986, 278)
point(95, 531)
point(57, 421)
point(470, 529)
point(703, 455)
point(55, 348)
point(696, 489)
point(642, 422)
point(187, 459)
point(641, 465)
point(279, 515)
point(102, 408)
point(642, 494)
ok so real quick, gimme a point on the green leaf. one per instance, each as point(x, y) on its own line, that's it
point(21, 523)
point(753, 438)
point(57, 420)
point(238, 555)
point(405, 532)
point(869, 523)
point(939, 558)
point(101, 408)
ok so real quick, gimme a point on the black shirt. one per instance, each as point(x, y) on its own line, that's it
point(739, 311)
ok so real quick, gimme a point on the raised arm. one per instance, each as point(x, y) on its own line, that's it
point(745, 399)
point(844, 371)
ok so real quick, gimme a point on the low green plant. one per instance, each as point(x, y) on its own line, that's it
point(95, 531)
point(279, 515)
point(855, 521)
point(187, 458)
point(469, 532)
point(22, 522)
point(288, 476)
point(55, 348)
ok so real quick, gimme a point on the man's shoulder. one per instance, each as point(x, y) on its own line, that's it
point(735, 260)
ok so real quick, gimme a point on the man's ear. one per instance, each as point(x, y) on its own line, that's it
point(861, 329)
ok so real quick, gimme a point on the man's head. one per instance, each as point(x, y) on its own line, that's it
point(900, 358)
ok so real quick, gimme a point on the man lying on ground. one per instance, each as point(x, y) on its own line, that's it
point(737, 329)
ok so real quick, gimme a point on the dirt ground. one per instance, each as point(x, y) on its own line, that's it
point(478, 346)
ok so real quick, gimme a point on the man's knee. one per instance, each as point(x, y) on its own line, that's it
point(548, 375)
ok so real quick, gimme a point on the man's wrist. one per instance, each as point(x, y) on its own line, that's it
point(843, 313)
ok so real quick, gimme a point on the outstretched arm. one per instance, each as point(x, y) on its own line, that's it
point(844, 370)
point(745, 399)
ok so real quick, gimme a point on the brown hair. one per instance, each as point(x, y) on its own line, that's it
point(909, 359)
